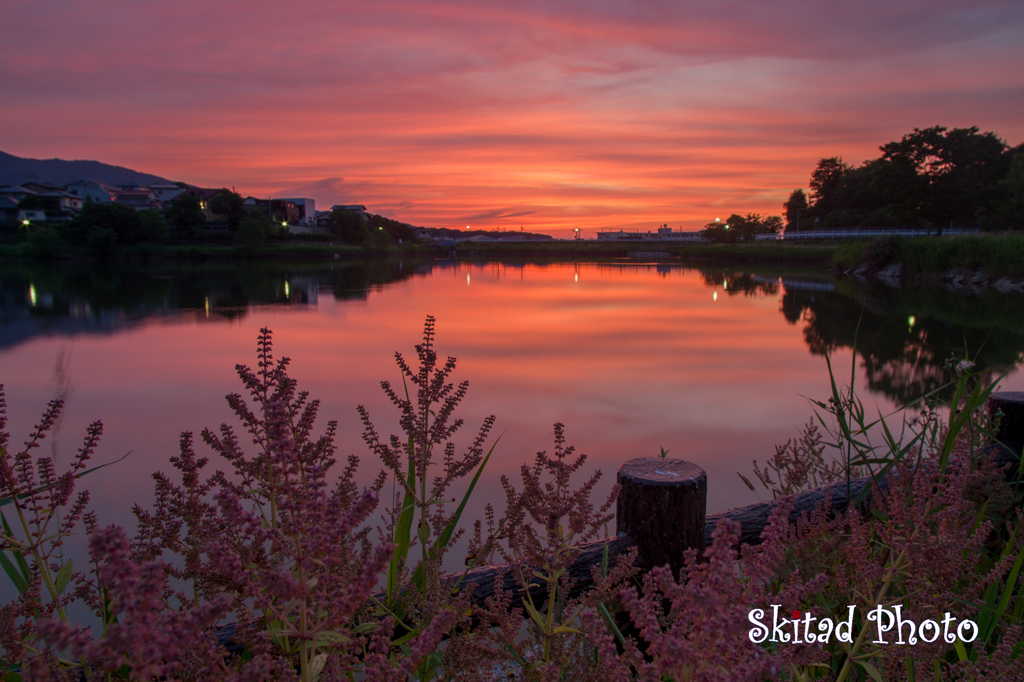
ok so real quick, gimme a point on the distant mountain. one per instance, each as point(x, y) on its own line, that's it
point(15, 170)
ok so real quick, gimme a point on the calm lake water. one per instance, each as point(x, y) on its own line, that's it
point(713, 363)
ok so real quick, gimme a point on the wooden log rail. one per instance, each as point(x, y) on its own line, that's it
point(661, 511)
point(661, 508)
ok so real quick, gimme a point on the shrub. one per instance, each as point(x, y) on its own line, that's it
point(880, 252)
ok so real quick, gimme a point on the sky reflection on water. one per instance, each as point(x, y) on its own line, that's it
point(709, 364)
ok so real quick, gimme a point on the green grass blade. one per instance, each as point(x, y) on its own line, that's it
point(19, 558)
point(449, 530)
point(1004, 599)
point(12, 572)
point(403, 532)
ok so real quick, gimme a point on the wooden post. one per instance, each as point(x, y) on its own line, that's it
point(662, 504)
point(1011, 428)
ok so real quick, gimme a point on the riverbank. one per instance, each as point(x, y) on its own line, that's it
point(963, 262)
point(778, 252)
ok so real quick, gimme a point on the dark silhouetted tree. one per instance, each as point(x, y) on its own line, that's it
point(122, 222)
point(825, 181)
point(228, 206)
point(796, 203)
point(937, 176)
point(153, 225)
point(350, 226)
point(185, 217)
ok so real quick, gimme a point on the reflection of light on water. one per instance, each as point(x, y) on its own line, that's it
point(911, 320)
point(287, 291)
point(32, 293)
point(725, 284)
point(577, 276)
point(714, 296)
point(467, 279)
point(207, 306)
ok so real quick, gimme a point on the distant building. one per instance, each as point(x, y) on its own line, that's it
point(60, 205)
point(32, 215)
point(358, 208)
point(664, 233)
point(166, 191)
point(139, 199)
point(8, 210)
point(285, 208)
point(95, 191)
point(40, 187)
point(204, 194)
point(306, 208)
point(130, 187)
point(323, 219)
point(15, 192)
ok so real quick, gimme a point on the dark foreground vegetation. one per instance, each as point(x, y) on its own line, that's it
point(282, 547)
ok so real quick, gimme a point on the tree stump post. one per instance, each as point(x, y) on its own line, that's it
point(662, 505)
point(1011, 428)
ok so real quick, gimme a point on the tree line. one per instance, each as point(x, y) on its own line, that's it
point(931, 178)
point(105, 227)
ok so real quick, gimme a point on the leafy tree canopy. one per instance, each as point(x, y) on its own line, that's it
point(796, 203)
point(932, 177)
point(351, 227)
point(119, 224)
point(185, 217)
point(229, 206)
point(740, 228)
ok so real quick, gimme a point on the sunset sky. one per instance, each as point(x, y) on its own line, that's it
point(545, 115)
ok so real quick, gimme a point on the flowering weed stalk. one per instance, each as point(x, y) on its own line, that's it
point(37, 494)
point(427, 421)
point(544, 527)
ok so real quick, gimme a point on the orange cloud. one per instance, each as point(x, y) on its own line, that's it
point(552, 115)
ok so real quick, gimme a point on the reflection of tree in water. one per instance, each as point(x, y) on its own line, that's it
point(354, 280)
point(91, 297)
point(734, 283)
point(905, 336)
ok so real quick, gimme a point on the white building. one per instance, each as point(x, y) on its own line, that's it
point(307, 210)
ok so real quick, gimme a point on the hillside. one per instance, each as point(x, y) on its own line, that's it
point(15, 170)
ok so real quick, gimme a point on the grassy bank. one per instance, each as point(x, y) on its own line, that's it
point(996, 255)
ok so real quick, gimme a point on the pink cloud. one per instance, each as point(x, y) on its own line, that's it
point(558, 114)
